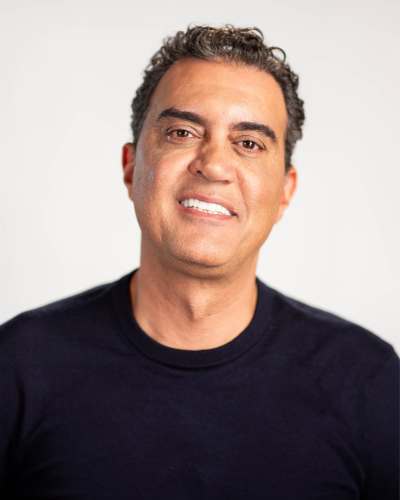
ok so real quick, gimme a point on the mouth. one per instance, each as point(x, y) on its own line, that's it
point(203, 214)
point(207, 206)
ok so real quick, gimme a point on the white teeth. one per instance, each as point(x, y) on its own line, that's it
point(212, 208)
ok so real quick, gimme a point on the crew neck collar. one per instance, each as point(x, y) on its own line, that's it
point(257, 328)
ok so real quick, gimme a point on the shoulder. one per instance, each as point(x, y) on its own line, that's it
point(28, 329)
point(321, 339)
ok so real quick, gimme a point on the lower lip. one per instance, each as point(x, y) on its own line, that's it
point(204, 215)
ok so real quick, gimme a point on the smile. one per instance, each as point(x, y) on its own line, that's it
point(203, 206)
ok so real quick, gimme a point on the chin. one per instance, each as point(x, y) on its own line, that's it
point(201, 263)
point(203, 260)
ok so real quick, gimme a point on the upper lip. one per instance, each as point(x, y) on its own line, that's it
point(209, 199)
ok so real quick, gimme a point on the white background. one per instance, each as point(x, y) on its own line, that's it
point(69, 70)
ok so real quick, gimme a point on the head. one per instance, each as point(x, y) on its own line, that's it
point(244, 46)
point(215, 120)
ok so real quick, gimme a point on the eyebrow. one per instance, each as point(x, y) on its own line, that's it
point(259, 127)
point(195, 118)
point(183, 115)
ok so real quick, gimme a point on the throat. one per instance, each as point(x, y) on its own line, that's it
point(191, 318)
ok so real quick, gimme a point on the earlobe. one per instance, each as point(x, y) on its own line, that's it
point(290, 183)
point(289, 188)
point(128, 165)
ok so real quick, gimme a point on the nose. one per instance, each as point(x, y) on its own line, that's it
point(215, 163)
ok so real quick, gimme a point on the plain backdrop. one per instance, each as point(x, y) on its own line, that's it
point(69, 70)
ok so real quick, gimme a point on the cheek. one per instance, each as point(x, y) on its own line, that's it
point(140, 188)
point(144, 177)
point(164, 172)
point(155, 182)
point(143, 190)
point(263, 190)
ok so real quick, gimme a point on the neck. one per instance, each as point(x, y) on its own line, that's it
point(187, 311)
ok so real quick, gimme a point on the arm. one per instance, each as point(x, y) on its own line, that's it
point(381, 432)
point(9, 403)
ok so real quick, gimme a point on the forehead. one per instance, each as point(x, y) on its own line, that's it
point(221, 91)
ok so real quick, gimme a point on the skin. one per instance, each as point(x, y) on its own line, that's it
point(195, 288)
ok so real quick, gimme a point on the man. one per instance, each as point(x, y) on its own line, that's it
point(189, 378)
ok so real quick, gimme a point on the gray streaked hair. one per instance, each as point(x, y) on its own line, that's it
point(236, 45)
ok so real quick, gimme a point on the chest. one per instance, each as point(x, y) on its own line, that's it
point(244, 436)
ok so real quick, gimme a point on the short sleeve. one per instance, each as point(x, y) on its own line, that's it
point(380, 432)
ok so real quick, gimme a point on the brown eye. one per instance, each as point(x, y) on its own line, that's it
point(180, 133)
point(251, 145)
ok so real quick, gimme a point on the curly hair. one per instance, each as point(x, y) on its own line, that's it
point(231, 44)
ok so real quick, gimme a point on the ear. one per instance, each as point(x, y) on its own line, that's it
point(128, 165)
point(289, 188)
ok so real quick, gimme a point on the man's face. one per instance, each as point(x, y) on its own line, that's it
point(214, 132)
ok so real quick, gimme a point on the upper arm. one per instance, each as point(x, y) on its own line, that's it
point(381, 432)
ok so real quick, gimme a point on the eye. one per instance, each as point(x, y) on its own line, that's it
point(251, 145)
point(179, 133)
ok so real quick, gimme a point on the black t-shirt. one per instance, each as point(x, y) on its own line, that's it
point(301, 405)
